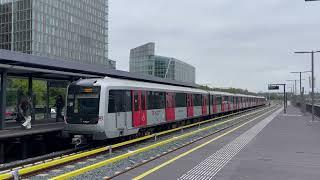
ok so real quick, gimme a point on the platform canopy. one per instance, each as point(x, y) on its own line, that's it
point(21, 64)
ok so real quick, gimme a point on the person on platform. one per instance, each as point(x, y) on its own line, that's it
point(59, 106)
point(25, 109)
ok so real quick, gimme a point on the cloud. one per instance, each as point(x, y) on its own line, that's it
point(243, 44)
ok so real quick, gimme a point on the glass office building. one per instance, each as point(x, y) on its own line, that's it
point(144, 61)
point(67, 29)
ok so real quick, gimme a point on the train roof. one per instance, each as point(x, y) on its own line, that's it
point(122, 83)
point(231, 94)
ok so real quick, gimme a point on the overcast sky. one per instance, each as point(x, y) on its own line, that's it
point(242, 44)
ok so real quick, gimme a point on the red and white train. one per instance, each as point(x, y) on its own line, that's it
point(106, 108)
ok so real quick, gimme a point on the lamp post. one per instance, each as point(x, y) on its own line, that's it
point(300, 75)
point(295, 85)
point(312, 78)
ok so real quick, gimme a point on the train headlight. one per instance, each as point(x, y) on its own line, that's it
point(100, 120)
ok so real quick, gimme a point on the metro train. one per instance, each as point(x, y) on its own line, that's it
point(107, 108)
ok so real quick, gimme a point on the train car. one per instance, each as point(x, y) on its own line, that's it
point(106, 108)
point(216, 102)
point(109, 107)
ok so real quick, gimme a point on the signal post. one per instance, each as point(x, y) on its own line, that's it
point(277, 87)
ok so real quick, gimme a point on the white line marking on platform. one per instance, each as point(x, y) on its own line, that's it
point(70, 166)
point(42, 175)
point(292, 115)
point(81, 163)
point(209, 167)
point(56, 171)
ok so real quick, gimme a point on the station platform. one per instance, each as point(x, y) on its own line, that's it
point(38, 128)
point(280, 146)
point(17, 143)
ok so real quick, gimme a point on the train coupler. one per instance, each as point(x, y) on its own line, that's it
point(79, 140)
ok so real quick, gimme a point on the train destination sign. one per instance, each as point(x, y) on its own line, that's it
point(273, 87)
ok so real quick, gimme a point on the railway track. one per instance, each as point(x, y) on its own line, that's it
point(132, 151)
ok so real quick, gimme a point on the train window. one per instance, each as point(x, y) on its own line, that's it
point(197, 100)
point(225, 98)
point(112, 103)
point(128, 101)
point(82, 105)
point(156, 100)
point(136, 101)
point(181, 100)
point(119, 101)
point(219, 100)
point(143, 101)
point(150, 99)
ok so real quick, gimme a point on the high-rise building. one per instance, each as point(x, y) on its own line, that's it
point(74, 30)
point(144, 61)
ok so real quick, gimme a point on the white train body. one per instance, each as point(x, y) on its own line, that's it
point(109, 107)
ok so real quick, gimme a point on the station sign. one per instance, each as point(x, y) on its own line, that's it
point(273, 87)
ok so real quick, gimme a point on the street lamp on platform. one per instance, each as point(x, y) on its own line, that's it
point(312, 72)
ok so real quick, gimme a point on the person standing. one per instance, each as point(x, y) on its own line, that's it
point(59, 106)
point(25, 109)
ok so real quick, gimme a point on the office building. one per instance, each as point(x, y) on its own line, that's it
point(75, 30)
point(144, 61)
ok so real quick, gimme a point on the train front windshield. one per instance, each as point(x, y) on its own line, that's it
point(83, 105)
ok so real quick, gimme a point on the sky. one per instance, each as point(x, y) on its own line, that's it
point(243, 44)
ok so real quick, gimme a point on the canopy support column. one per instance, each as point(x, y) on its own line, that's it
point(3, 100)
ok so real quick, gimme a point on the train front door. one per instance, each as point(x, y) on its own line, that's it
point(139, 111)
point(170, 105)
point(190, 109)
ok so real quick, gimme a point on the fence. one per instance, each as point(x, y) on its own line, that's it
point(316, 109)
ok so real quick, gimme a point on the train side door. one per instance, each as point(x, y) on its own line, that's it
point(170, 105)
point(214, 104)
point(139, 112)
point(204, 105)
point(223, 104)
point(190, 109)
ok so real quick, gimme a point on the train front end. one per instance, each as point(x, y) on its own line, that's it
point(83, 117)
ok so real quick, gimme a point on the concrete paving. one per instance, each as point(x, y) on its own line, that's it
point(284, 147)
point(287, 149)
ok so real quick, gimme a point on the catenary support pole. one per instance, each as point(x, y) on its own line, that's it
point(31, 95)
point(284, 100)
point(312, 82)
point(3, 99)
